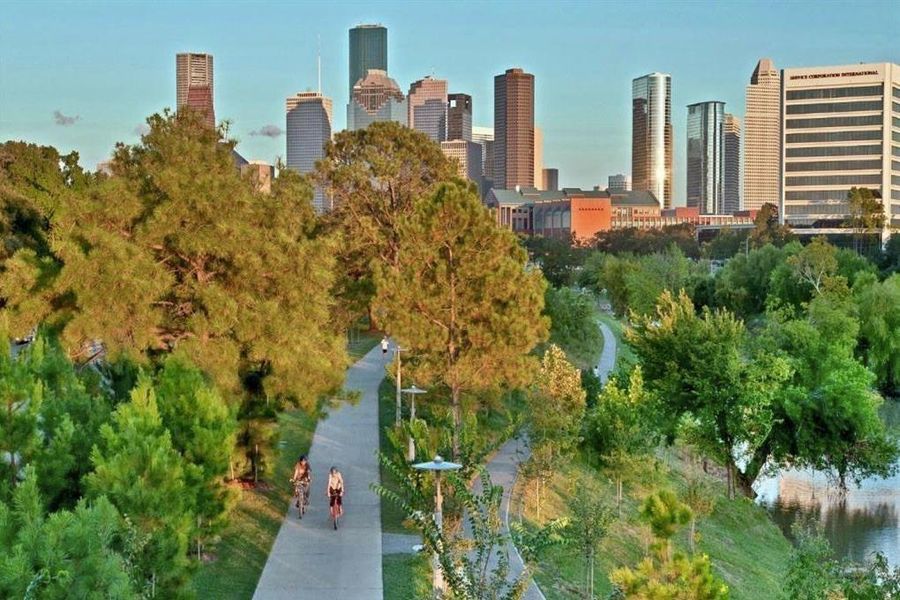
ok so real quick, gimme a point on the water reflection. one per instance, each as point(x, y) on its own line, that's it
point(859, 522)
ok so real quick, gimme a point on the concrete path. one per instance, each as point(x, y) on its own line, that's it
point(504, 466)
point(309, 559)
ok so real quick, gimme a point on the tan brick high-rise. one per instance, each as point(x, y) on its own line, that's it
point(194, 84)
point(513, 129)
point(762, 137)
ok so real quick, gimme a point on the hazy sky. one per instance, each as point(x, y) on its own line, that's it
point(85, 75)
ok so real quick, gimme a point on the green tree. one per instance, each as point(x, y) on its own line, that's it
point(587, 528)
point(573, 325)
point(137, 467)
point(698, 496)
point(21, 395)
point(461, 298)
point(639, 241)
point(815, 263)
point(767, 229)
point(618, 429)
point(866, 218)
point(664, 514)
point(699, 368)
point(879, 331)
point(63, 555)
point(555, 411)
point(670, 270)
point(742, 286)
point(727, 244)
point(374, 177)
point(559, 259)
point(613, 276)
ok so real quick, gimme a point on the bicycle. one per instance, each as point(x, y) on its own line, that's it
point(301, 492)
point(336, 507)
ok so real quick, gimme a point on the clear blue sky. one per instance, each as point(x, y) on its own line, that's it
point(110, 64)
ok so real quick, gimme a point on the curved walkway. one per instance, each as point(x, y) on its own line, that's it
point(309, 559)
point(504, 466)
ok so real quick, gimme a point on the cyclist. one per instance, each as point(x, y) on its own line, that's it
point(335, 494)
point(302, 479)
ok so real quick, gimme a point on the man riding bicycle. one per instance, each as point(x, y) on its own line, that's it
point(302, 479)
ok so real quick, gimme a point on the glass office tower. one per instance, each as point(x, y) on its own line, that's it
point(706, 157)
point(368, 50)
point(308, 123)
point(651, 136)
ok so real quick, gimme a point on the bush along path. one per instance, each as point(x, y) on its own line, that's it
point(309, 559)
point(504, 466)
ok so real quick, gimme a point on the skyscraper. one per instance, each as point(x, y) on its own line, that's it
point(651, 136)
point(538, 158)
point(550, 180)
point(485, 137)
point(705, 156)
point(194, 84)
point(513, 129)
point(427, 107)
point(467, 154)
point(368, 50)
point(376, 97)
point(619, 183)
point(762, 137)
point(308, 116)
point(731, 172)
point(459, 117)
point(841, 130)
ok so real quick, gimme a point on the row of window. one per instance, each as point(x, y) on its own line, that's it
point(817, 209)
point(834, 165)
point(833, 151)
point(896, 92)
point(842, 92)
point(895, 165)
point(895, 179)
point(895, 135)
point(897, 107)
point(836, 180)
point(895, 150)
point(897, 122)
point(895, 195)
point(836, 122)
point(832, 107)
point(833, 136)
point(818, 195)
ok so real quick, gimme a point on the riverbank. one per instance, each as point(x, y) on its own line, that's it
point(748, 551)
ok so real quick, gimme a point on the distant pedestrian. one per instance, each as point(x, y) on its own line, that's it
point(384, 345)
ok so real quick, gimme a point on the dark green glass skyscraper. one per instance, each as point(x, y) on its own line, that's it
point(368, 50)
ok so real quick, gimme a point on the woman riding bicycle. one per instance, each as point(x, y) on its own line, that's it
point(335, 494)
point(302, 478)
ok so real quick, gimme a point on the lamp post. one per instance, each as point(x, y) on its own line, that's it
point(438, 465)
point(413, 392)
point(397, 351)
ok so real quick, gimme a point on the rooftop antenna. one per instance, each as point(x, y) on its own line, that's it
point(319, 62)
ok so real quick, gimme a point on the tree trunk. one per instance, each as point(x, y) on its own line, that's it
point(591, 577)
point(619, 496)
point(454, 400)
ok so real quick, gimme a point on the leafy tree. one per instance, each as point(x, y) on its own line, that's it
point(586, 529)
point(618, 428)
point(612, 276)
point(63, 555)
point(879, 331)
point(698, 367)
point(670, 270)
point(866, 217)
point(813, 573)
point(137, 467)
point(573, 325)
point(889, 261)
point(767, 229)
point(461, 298)
point(727, 244)
point(555, 410)
point(742, 286)
point(634, 240)
point(815, 263)
point(664, 514)
point(374, 177)
point(559, 259)
point(21, 395)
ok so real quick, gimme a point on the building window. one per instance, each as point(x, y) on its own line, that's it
point(833, 136)
point(835, 180)
point(817, 195)
point(841, 92)
point(834, 165)
point(832, 107)
point(836, 122)
point(833, 151)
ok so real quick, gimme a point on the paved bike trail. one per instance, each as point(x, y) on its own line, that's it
point(309, 559)
point(504, 466)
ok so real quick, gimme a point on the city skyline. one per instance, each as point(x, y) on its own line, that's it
point(582, 100)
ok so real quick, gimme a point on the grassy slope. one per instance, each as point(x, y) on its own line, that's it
point(747, 550)
point(406, 576)
point(246, 542)
point(244, 548)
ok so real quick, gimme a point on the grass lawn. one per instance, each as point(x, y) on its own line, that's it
point(242, 552)
point(747, 549)
point(406, 576)
point(363, 341)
